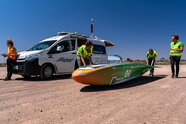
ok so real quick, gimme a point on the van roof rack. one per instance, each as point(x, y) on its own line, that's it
point(75, 34)
point(78, 35)
point(63, 33)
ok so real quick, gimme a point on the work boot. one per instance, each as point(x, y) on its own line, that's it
point(151, 74)
point(7, 79)
point(172, 75)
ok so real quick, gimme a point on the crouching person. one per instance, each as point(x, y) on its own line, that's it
point(11, 59)
point(84, 54)
point(151, 58)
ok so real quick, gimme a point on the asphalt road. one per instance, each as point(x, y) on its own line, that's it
point(146, 100)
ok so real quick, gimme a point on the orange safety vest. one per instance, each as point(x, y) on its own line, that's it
point(11, 51)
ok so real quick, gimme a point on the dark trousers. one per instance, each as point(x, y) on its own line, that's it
point(80, 63)
point(10, 64)
point(175, 59)
point(150, 63)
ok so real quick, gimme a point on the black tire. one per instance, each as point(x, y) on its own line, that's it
point(25, 76)
point(47, 72)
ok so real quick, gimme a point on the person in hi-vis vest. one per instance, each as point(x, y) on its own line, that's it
point(151, 58)
point(11, 59)
point(175, 54)
point(84, 54)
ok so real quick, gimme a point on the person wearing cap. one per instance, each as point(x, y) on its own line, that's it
point(84, 54)
point(151, 58)
point(175, 54)
point(11, 59)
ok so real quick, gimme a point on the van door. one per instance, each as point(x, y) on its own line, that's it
point(64, 55)
point(99, 55)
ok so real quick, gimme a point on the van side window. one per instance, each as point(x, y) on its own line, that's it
point(63, 46)
point(73, 43)
point(98, 49)
point(81, 42)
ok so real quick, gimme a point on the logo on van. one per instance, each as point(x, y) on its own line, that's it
point(62, 59)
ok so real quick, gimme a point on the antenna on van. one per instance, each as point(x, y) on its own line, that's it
point(92, 28)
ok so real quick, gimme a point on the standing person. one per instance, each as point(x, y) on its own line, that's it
point(175, 54)
point(11, 58)
point(84, 54)
point(151, 58)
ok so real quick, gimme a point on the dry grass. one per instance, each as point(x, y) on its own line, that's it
point(2, 64)
point(158, 62)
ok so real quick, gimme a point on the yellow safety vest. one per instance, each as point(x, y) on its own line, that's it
point(154, 55)
point(175, 46)
point(85, 53)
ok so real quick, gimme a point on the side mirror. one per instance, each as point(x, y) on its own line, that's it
point(59, 49)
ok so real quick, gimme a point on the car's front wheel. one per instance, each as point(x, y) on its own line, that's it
point(46, 72)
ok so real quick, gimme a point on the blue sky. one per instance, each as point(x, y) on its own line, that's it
point(133, 25)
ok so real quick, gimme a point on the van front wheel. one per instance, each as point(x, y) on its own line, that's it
point(46, 72)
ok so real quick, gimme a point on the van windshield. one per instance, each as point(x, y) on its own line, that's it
point(42, 45)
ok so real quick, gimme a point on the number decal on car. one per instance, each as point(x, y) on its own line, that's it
point(127, 73)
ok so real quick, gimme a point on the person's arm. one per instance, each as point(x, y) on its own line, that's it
point(169, 54)
point(14, 54)
point(81, 56)
point(153, 61)
point(147, 58)
point(147, 61)
point(154, 58)
point(180, 50)
point(82, 59)
point(170, 51)
point(5, 55)
point(90, 59)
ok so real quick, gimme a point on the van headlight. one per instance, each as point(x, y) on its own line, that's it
point(33, 56)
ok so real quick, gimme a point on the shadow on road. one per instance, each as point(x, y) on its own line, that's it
point(55, 77)
point(136, 82)
point(182, 77)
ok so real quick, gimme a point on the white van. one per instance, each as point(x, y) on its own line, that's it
point(57, 55)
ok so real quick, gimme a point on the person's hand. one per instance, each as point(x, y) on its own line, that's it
point(5, 55)
point(169, 57)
